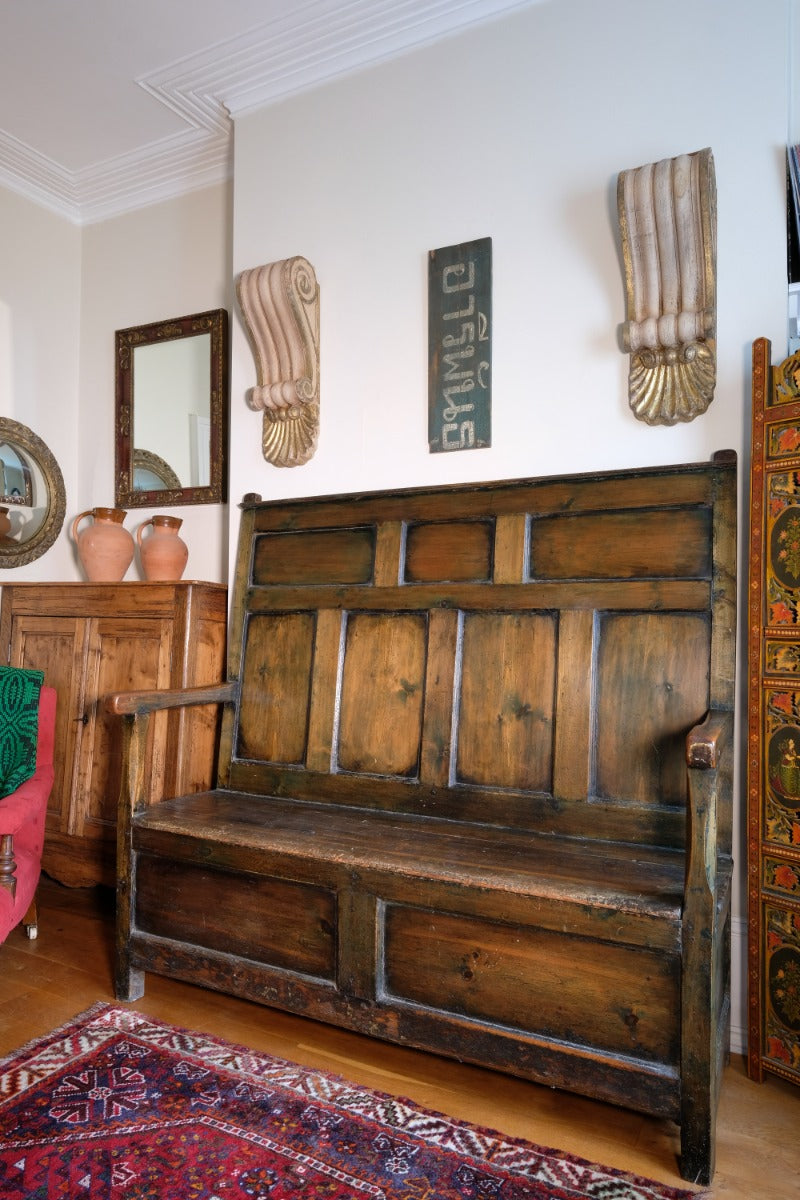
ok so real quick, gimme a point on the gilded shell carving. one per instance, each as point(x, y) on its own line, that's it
point(665, 387)
point(667, 216)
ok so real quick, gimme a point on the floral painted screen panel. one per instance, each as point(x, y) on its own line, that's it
point(773, 776)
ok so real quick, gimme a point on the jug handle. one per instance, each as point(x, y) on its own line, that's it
point(149, 521)
point(80, 516)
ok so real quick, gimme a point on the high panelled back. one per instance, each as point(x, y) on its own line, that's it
point(380, 671)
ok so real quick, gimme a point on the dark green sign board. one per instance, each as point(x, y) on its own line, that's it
point(460, 347)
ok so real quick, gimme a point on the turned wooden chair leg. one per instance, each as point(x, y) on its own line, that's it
point(30, 921)
point(7, 864)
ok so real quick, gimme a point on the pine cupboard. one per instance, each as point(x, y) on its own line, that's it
point(93, 639)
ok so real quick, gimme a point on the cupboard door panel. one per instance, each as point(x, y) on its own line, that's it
point(55, 645)
point(122, 655)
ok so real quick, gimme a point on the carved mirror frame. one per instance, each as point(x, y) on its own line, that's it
point(128, 457)
point(15, 553)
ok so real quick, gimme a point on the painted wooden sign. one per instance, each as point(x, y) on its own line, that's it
point(460, 347)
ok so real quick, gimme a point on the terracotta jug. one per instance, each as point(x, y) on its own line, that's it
point(105, 548)
point(5, 522)
point(163, 553)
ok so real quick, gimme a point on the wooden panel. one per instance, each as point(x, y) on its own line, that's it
point(574, 731)
point(123, 654)
point(439, 697)
point(288, 925)
point(114, 599)
point(672, 543)
point(389, 553)
point(510, 553)
point(725, 609)
point(57, 647)
point(652, 687)
point(631, 595)
point(382, 688)
point(358, 943)
point(614, 491)
point(195, 731)
point(603, 820)
point(323, 690)
point(449, 551)
point(315, 556)
point(506, 702)
point(608, 996)
point(276, 688)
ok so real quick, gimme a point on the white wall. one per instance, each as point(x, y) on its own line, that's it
point(793, 123)
point(39, 340)
point(63, 293)
point(167, 260)
point(517, 131)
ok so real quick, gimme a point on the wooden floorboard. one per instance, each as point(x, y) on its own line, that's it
point(69, 967)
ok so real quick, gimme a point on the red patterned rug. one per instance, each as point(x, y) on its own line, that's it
point(116, 1105)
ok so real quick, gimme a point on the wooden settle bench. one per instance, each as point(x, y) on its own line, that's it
point(474, 783)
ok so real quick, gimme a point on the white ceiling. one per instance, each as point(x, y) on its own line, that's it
point(107, 105)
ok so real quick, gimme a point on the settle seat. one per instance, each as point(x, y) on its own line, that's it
point(474, 783)
point(22, 824)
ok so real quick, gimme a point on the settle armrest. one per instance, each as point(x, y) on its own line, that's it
point(134, 704)
point(708, 836)
point(135, 708)
point(705, 743)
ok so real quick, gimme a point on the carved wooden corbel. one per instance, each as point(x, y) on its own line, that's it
point(668, 221)
point(280, 307)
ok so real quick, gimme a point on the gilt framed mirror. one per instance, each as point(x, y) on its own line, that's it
point(172, 412)
point(32, 495)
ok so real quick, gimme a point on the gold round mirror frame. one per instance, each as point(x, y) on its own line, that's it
point(18, 554)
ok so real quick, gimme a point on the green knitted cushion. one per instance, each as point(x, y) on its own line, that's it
point(19, 725)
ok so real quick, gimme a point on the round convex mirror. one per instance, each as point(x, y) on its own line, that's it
point(32, 497)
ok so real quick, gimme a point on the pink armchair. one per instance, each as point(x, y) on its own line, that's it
point(22, 818)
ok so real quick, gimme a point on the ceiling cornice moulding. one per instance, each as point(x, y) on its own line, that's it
point(282, 57)
point(24, 170)
point(297, 54)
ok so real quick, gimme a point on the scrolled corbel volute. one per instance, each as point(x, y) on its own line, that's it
point(280, 307)
point(668, 222)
